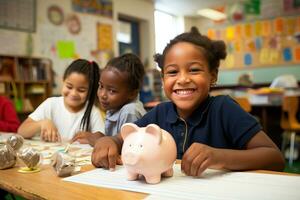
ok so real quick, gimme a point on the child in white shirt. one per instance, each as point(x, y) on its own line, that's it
point(60, 118)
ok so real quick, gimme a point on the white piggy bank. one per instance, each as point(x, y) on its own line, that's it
point(149, 151)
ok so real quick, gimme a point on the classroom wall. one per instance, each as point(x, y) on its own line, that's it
point(262, 74)
point(44, 40)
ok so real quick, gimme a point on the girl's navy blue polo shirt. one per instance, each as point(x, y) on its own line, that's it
point(218, 122)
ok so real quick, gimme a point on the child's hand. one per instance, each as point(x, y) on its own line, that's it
point(198, 158)
point(84, 137)
point(49, 131)
point(105, 153)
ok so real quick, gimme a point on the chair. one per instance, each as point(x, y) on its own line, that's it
point(244, 103)
point(289, 123)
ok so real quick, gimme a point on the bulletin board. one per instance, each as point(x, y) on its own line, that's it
point(18, 15)
point(260, 43)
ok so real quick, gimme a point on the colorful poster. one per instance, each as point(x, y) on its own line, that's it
point(238, 31)
point(257, 28)
point(230, 33)
point(279, 25)
point(105, 41)
point(258, 43)
point(266, 28)
point(237, 45)
point(211, 34)
point(248, 30)
point(262, 43)
point(287, 54)
point(274, 56)
point(250, 45)
point(99, 7)
point(66, 49)
point(290, 26)
point(229, 61)
point(297, 53)
point(264, 56)
point(252, 7)
point(247, 59)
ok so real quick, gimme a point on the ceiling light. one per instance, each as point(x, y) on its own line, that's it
point(211, 14)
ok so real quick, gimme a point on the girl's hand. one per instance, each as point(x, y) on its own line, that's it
point(106, 153)
point(49, 131)
point(84, 137)
point(199, 157)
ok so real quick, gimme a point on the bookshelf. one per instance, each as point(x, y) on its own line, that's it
point(27, 81)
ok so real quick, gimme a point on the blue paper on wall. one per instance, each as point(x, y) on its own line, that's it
point(248, 59)
point(287, 54)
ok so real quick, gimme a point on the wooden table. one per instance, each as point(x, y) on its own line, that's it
point(46, 185)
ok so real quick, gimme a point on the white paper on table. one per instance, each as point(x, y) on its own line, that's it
point(214, 184)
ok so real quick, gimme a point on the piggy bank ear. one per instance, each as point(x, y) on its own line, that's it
point(127, 129)
point(154, 130)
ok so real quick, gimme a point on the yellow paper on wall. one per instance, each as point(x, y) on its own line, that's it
point(237, 45)
point(298, 24)
point(266, 28)
point(257, 28)
point(229, 61)
point(105, 41)
point(264, 56)
point(248, 30)
point(274, 56)
point(211, 34)
point(290, 26)
point(230, 33)
point(238, 31)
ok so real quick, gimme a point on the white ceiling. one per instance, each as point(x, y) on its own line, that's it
point(189, 7)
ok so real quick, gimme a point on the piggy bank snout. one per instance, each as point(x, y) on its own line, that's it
point(130, 158)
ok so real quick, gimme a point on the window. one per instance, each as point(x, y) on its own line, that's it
point(166, 28)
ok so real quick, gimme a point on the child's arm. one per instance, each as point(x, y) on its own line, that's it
point(260, 153)
point(107, 151)
point(46, 127)
point(84, 137)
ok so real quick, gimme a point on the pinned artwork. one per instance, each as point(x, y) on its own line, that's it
point(229, 61)
point(238, 45)
point(248, 30)
point(238, 31)
point(258, 28)
point(258, 43)
point(287, 54)
point(290, 24)
point(248, 59)
point(266, 28)
point(66, 49)
point(297, 53)
point(230, 33)
point(73, 24)
point(105, 41)
point(98, 7)
point(264, 55)
point(278, 25)
point(274, 56)
point(262, 43)
point(55, 15)
point(211, 34)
